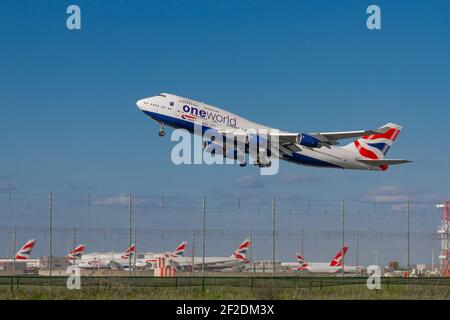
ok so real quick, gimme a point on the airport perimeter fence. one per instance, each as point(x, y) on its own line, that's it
point(399, 236)
point(249, 282)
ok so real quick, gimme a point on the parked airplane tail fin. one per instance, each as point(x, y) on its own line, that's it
point(337, 260)
point(239, 255)
point(241, 252)
point(179, 251)
point(77, 252)
point(25, 252)
point(130, 251)
point(244, 246)
point(302, 263)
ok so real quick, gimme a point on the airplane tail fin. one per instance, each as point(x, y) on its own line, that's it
point(337, 260)
point(130, 251)
point(179, 251)
point(239, 255)
point(377, 145)
point(241, 252)
point(77, 252)
point(244, 246)
point(25, 252)
point(302, 263)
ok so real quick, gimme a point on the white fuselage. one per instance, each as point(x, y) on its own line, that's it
point(179, 112)
point(321, 267)
point(104, 260)
point(211, 263)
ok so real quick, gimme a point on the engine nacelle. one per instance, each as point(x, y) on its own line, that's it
point(309, 141)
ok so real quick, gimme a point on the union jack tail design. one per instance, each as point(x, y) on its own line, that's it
point(77, 252)
point(337, 261)
point(25, 252)
point(302, 263)
point(179, 251)
point(241, 252)
point(244, 246)
point(239, 255)
point(131, 250)
point(376, 146)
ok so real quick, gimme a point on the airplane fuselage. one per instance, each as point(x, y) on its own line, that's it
point(179, 112)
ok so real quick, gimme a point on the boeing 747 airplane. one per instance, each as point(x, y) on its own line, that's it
point(319, 149)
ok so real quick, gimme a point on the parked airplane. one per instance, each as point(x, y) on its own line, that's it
point(313, 149)
point(151, 258)
point(107, 260)
point(236, 261)
point(334, 266)
point(23, 256)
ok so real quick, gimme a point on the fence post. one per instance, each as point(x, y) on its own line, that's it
point(203, 242)
point(14, 245)
point(343, 238)
point(129, 239)
point(273, 237)
point(50, 240)
point(193, 257)
point(408, 250)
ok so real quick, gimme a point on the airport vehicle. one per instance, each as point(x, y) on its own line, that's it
point(320, 149)
point(236, 261)
point(334, 266)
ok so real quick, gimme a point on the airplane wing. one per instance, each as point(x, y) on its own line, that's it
point(381, 162)
point(331, 138)
point(287, 142)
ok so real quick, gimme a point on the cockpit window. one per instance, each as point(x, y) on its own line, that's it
point(162, 95)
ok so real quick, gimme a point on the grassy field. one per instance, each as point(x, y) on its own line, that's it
point(219, 292)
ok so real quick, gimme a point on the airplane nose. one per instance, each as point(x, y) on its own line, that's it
point(140, 103)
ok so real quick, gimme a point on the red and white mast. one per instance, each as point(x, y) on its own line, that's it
point(444, 232)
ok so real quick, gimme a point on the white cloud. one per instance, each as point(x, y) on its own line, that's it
point(250, 182)
point(398, 196)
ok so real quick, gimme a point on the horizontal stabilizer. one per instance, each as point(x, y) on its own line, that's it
point(381, 162)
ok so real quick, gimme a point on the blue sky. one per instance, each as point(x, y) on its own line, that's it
point(69, 123)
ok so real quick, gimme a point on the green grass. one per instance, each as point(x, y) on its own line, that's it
point(346, 292)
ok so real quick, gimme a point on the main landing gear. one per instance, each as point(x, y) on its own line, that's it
point(262, 164)
point(161, 133)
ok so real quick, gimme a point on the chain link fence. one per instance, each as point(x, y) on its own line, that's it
point(400, 237)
